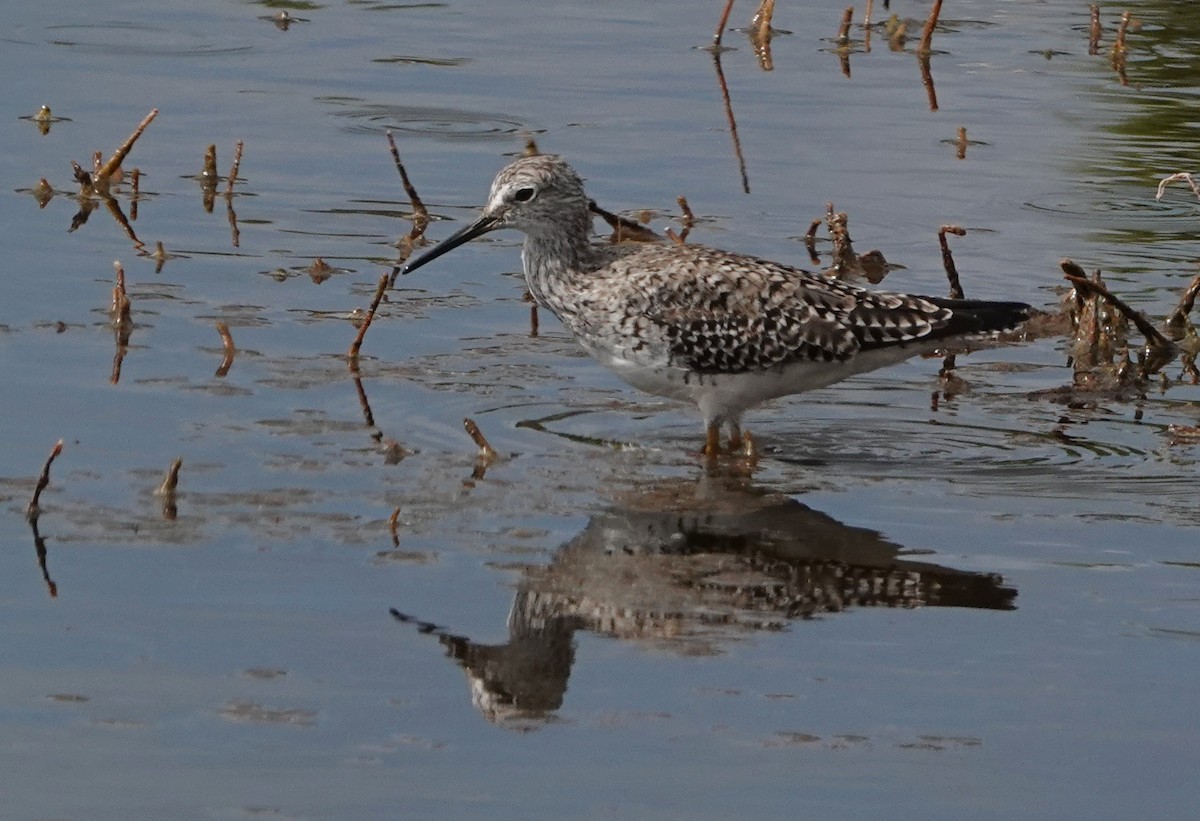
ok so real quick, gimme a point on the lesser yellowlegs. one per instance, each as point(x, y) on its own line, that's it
point(725, 331)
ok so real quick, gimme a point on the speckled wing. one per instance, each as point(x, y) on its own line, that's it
point(718, 312)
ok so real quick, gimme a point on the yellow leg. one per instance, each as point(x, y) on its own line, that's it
point(712, 441)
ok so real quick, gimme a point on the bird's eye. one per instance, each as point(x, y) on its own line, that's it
point(523, 194)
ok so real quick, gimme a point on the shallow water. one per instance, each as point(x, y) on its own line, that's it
point(918, 604)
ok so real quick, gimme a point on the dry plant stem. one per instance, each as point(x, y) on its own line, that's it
point(531, 148)
point(420, 213)
point(737, 143)
point(362, 330)
point(956, 291)
point(228, 347)
point(32, 511)
point(486, 451)
point(393, 526)
point(121, 303)
point(960, 151)
point(810, 241)
point(1187, 302)
point(843, 35)
point(171, 480)
point(1078, 278)
point(1119, 46)
point(689, 219)
point(760, 23)
point(675, 238)
point(233, 171)
point(1095, 30)
point(114, 162)
point(927, 33)
point(208, 172)
point(716, 44)
point(624, 229)
point(39, 545)
point(867, 14)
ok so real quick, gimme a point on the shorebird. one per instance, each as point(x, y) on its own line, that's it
point(723, 330)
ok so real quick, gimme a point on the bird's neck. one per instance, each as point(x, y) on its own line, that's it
point(559, 262)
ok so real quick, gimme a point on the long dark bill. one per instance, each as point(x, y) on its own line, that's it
point(476, 229)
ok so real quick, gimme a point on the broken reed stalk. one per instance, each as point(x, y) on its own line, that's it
point(689, 219)
point(1095, 30)
point(486, 451)
point(843, 35)
point(114, 162)
point(867, 14)
point(121, 303)
point(171, 480)
point(924, 46)
point(760, 23)
point(1079, 279)
point(956, 291)
point(233, 171)
point(208, 172)
point(33, 510)
point(810, 241)
point(1119, 47)
point(960, 144)
point(362, 330)
point(420, 213)
point(393, 526)
point(624, 229)
point(716, 44)
point(228, 347)
point(1178, 317)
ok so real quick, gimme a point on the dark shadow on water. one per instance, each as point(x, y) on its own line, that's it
point(688, 567)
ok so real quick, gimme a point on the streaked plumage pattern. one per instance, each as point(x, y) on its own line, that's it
point(724, 330)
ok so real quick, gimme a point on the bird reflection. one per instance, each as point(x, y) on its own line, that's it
point(686, 567)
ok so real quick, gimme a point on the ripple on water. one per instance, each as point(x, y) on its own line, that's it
point(147, 41)
point(426, 121)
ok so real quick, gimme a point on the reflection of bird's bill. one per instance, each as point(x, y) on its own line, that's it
point(476, 229)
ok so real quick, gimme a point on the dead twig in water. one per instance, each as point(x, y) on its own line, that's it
point(1182, 175)
point(362, 330)
point(810, 241)
point(167, 490)
point(1120, 50)
point(960, 144)
point(1158, 351)
point(393, 526)
point(486, 455)
point(1095, 30)
point(716, 43)
point(229, 349)
point(843, 35)
point(33, 509)
point(956, 291)
point(103, 174)
point(760, 33)
point(624, 229)
point(209, 179)
point(925, 47)
point(420, 214)
point(121, 304)
point(1177, 321)
point(233, 170)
